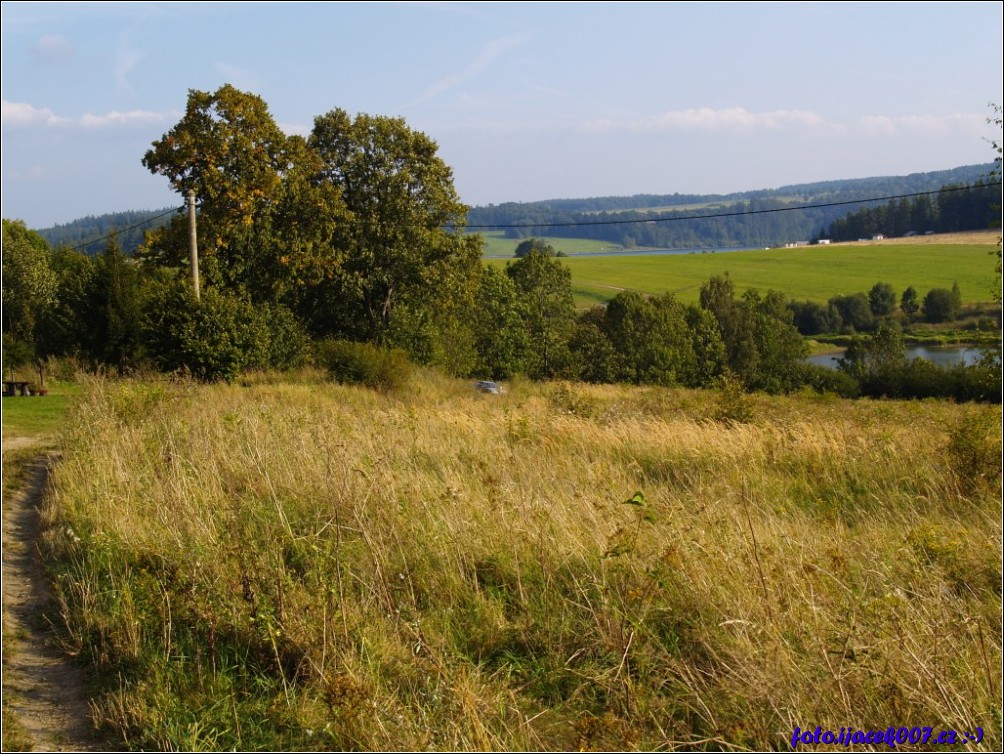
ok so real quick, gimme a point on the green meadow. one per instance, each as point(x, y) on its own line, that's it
point(497, 245)
point(813, 272)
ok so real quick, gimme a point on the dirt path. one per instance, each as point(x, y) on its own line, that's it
point(41, 687)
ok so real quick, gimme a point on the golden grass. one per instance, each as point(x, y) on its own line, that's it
point(318, 566)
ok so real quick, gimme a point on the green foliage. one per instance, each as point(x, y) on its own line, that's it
point(940, 305)
point(594, 355)
point(499, 324)
point(29, 285)
point(882, 299)
point(545, 287)
point(364, 364)
point(399, 197)
point(855, 312)
point(814, 318)
point(956, 207)
point(534, 245)
point(824, 380)
point(909, 303)
point(762, 347)
point(215, 338)
point(875, 356)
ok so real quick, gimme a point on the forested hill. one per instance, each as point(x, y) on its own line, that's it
point(128, 228)
point(768, 229)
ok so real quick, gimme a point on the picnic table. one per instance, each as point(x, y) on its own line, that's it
point(13, 387)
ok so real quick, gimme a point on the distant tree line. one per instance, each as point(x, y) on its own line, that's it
point(129, 228)
point(539, 214)
point(346, 248)
point(623, 221)
point(949, 211)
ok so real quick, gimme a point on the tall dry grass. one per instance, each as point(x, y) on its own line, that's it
point(311, 566)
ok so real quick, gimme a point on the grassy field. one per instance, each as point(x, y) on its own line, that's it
point(497, 245)
point(37, 415)
point(312, 566)
point(814, 272)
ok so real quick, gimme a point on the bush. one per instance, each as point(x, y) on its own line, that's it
point(364, 364)
point(214, 338)
point(734, 404)
point(824, 380)
point(974, 452)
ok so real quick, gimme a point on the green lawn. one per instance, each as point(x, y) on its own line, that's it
point(37, 415)
point(815, 272)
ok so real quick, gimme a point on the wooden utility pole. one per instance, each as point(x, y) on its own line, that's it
point(193, 242)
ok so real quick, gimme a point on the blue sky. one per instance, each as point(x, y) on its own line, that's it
point(527, 101)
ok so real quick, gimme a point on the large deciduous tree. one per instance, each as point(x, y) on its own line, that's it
point(264, 222)
point(399, 241)
point(545, 287)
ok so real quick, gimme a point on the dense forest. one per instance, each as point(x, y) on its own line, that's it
point(954, 208)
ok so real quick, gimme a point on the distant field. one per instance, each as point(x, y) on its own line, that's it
point(814, 273)
point(497, 245)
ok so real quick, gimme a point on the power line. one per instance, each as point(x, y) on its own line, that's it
point(123, 230)
point(544, 224)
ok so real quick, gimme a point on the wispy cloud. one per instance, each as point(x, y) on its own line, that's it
point(52, 49)
point(491, 52)
point(933, 125)
point(739, 120)
point(24, 115)
point(125, 60)
point(709, 119)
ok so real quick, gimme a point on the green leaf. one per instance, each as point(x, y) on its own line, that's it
point(637, 499)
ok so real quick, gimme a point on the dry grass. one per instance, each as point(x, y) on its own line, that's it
point(316, 566)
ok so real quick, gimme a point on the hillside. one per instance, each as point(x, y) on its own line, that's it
point(697, 222)
point(128, 227)
point(748, 231)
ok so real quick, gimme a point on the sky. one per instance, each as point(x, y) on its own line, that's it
point(527, 101)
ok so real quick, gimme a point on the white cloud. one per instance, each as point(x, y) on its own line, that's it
point(488, 55)
point(23, 114)
point(116, 118)
point(52, 48)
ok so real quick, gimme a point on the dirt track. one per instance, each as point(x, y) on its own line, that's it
point(42, 688)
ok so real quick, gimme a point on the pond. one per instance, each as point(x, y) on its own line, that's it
point(947, 356)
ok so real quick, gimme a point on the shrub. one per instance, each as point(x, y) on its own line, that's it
point(734, 404)
point(364, 364)
point(974, 452)
point(824, 380)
